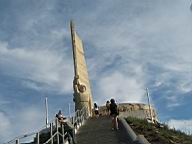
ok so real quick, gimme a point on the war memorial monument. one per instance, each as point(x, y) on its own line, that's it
point(82, 88)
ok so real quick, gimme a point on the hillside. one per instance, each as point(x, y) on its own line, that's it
point(158, 134)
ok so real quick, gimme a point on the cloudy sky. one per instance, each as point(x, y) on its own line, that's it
point(129, 45)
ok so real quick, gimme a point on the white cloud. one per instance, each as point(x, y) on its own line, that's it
point(173, 101)
point(153, 35)
point(121, 87)
point(185, 86)
point(4, 126)
point(29, 120)
point(49, 68)
point(26, 121)
point(172, 104)
point(182, 125)
point(4, 102)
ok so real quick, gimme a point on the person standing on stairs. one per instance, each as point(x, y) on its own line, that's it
point(96, 110)
point(114, 113)
point(107, 108)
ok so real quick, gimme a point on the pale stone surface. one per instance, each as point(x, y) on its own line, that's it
point(82, 90)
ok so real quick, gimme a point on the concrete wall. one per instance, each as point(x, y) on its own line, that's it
point(136, 110)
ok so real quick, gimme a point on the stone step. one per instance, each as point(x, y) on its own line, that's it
point(98, 131)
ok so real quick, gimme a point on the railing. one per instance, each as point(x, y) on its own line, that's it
point(79, 118)
point(56, 134)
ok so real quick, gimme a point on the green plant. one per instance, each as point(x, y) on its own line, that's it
point(158, 134)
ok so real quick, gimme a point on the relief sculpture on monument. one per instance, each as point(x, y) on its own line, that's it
point(82, 91)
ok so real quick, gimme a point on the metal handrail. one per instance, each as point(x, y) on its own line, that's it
point(77, 120)
point(26, 135)
point(50, 138)
point(79, 117)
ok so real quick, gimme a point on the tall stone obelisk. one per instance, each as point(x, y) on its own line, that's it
point(82, 90)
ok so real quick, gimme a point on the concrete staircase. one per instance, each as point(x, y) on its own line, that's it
point(90, 130)
point(98, 131)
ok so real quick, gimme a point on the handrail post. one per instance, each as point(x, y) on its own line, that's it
point(51, 132)
point(72, 120)
point(57, 128)
point(79, 117)
point(63, 133)
point(76, 118)
point(37, 137)
point(17, 141)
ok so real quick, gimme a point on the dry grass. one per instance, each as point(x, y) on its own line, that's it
point(158, 135)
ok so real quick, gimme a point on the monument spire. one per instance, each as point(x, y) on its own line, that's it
point(81, 85)
point(72, 27)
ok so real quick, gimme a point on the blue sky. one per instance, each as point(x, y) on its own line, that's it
point(129, 45)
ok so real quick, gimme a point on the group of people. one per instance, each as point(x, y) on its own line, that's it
point(112, 110)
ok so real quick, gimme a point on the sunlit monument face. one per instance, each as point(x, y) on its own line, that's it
point(82, 90)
